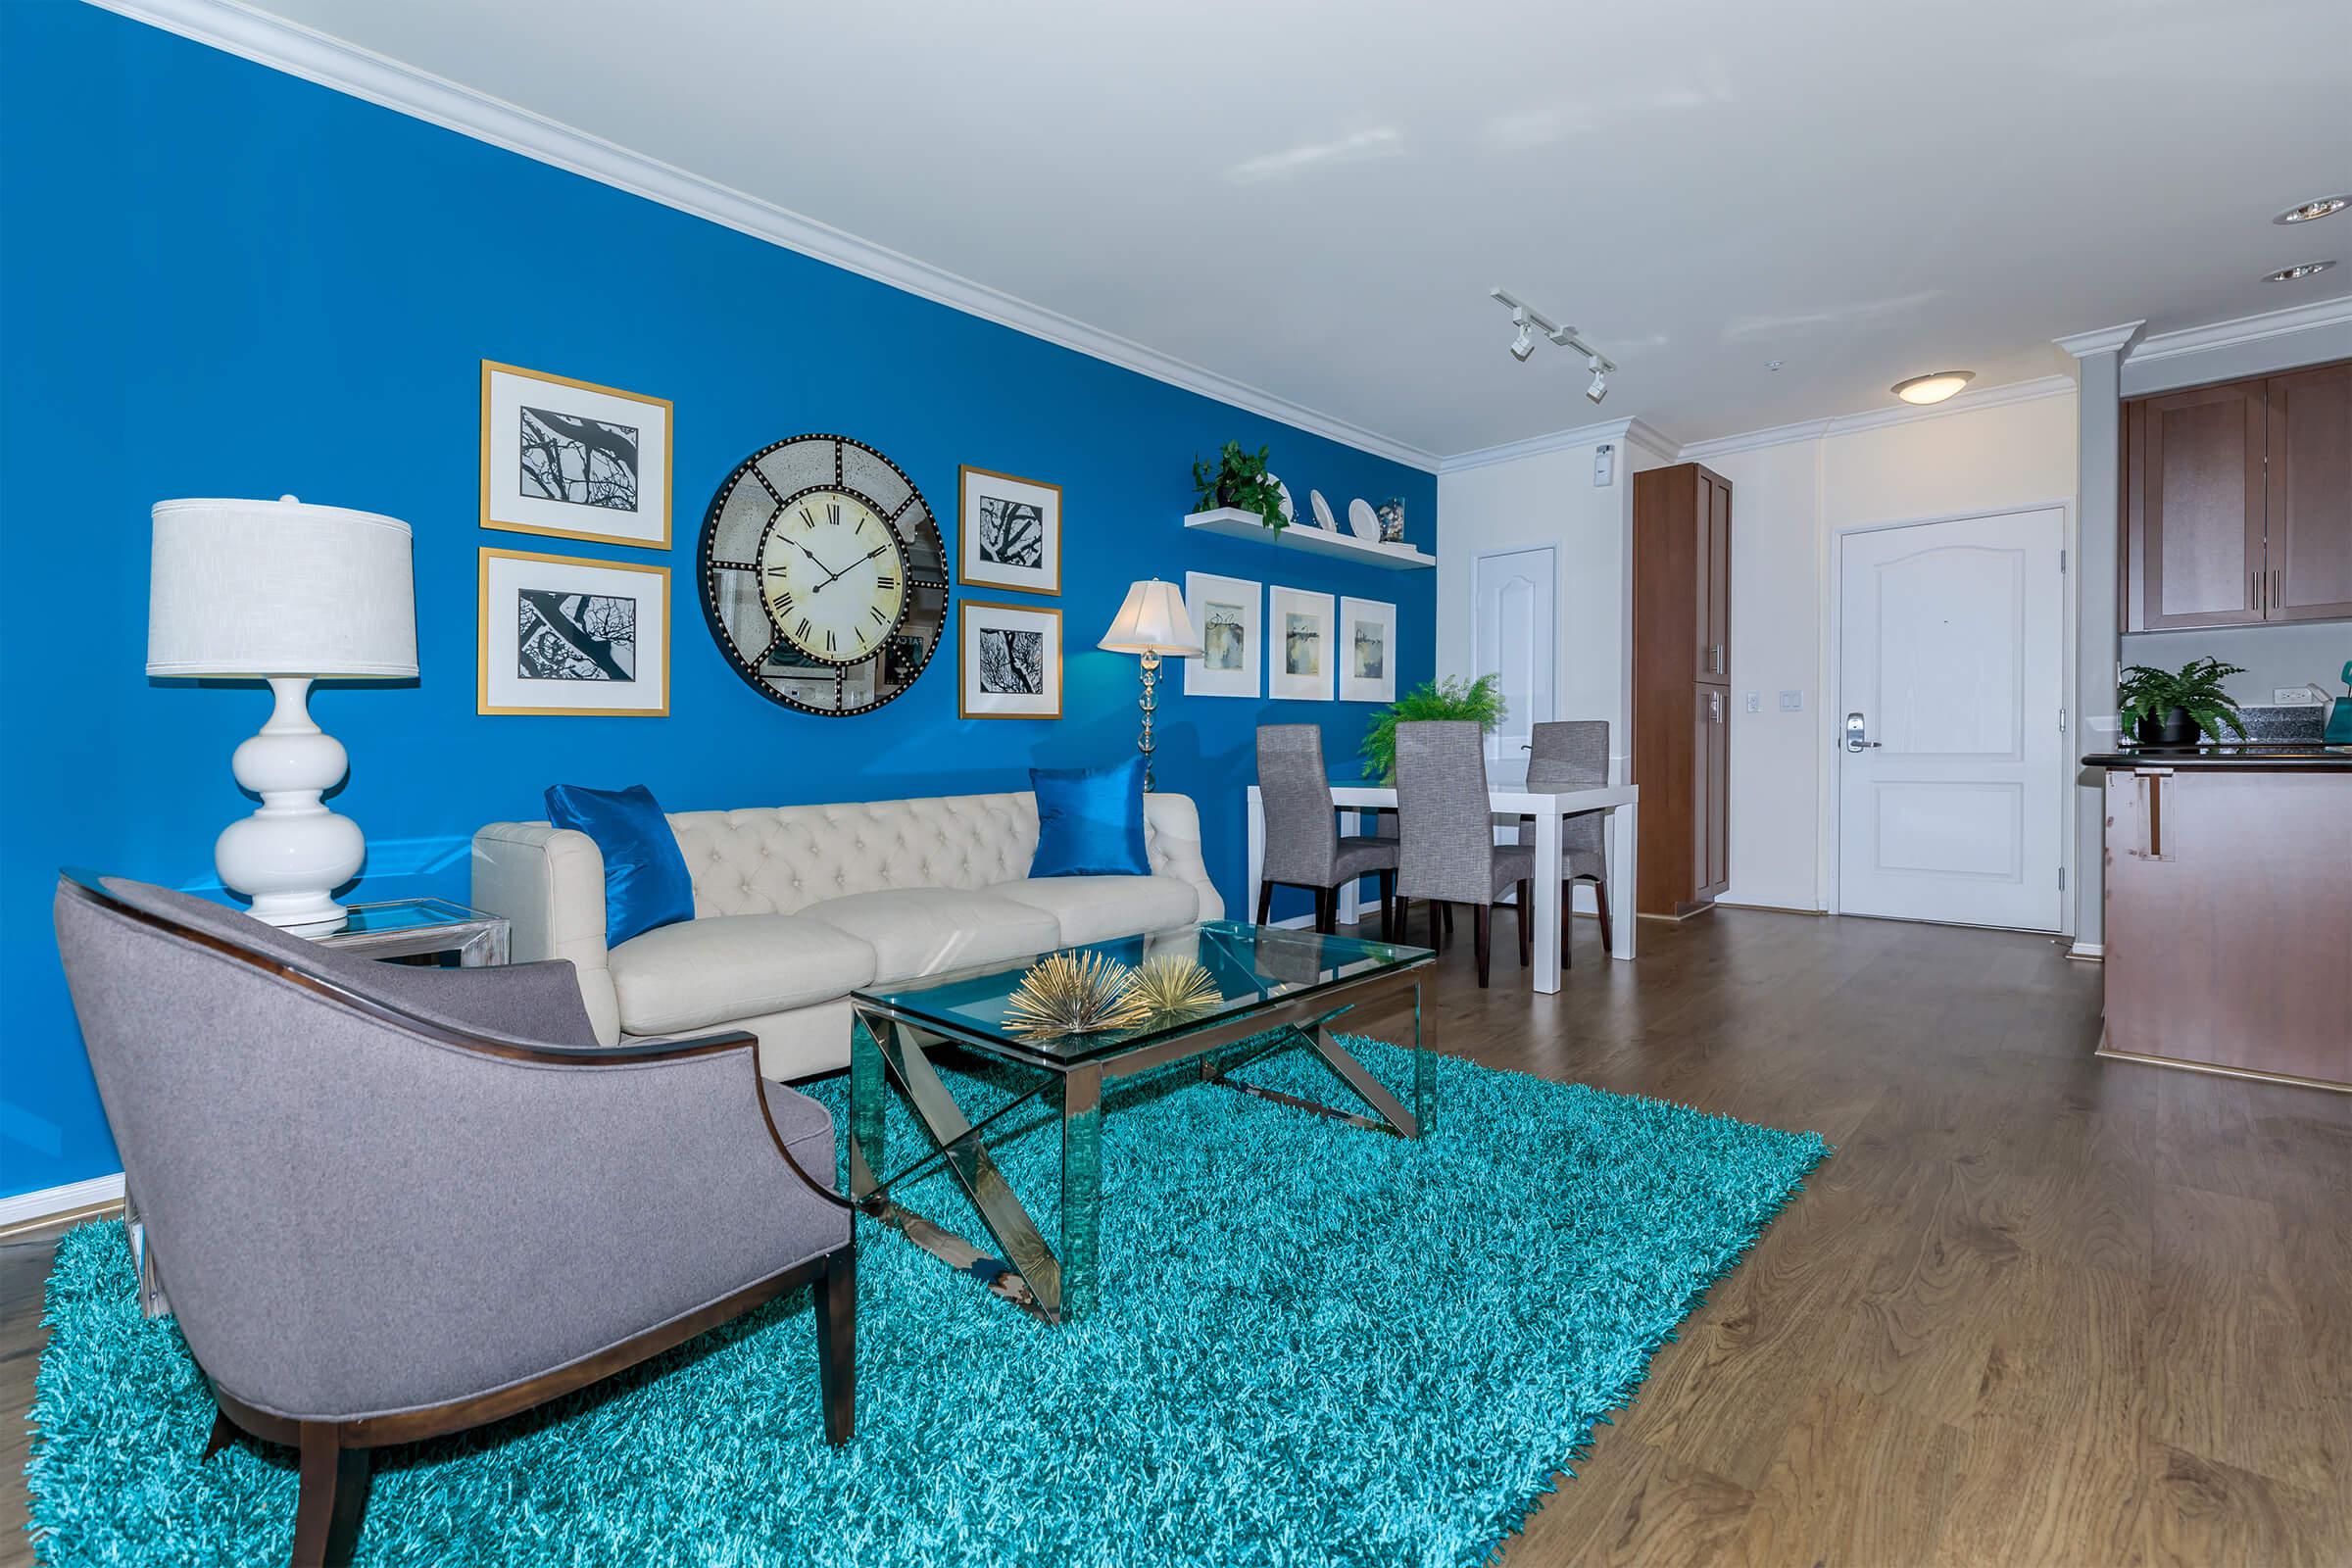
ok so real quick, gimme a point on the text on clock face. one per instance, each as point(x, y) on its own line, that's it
point(833, 576)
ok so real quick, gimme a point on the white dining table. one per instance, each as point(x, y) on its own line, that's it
point(1622, 802)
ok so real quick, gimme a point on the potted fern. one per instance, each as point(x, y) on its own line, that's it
point(1239, 479)
point(2175, 708)
point(1479, 700)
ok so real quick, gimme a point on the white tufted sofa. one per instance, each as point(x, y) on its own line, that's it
point(796, 907)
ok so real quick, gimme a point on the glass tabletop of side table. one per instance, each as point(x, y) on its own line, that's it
point(1275, 990)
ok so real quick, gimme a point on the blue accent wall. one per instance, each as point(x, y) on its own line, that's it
point(216, 279)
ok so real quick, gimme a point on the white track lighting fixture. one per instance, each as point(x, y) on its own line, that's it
point(1526, 317)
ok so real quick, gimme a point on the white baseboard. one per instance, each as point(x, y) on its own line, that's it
point(1759, 903)
point(2089, 951)
point(32, 1209)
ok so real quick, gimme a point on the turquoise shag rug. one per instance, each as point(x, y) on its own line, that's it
point(1317, 1345)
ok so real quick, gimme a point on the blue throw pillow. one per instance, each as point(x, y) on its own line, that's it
point(1090, 820)
point(646, 885)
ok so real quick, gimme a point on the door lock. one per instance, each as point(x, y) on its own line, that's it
point(1854, 741)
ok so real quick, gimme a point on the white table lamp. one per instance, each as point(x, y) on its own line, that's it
point(1151, 622)
point(286, 593)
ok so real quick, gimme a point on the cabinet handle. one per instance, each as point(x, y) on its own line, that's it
point(2278, 590)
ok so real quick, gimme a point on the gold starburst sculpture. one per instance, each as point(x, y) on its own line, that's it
point(1171, 986)
point(1074, 994)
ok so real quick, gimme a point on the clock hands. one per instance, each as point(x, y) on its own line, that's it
point(852, 566)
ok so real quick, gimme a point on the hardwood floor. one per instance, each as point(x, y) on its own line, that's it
point(2037, 1308)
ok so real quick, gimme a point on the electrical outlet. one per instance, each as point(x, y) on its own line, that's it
point(2296, 697)
point(1755, 702)
point(1793, 701)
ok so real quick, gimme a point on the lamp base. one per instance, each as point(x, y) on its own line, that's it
point(293, 852)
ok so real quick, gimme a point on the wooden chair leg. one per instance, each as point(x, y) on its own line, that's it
point(1387, 883)
point(1484, 917)
point(1527, 933)
point(333, 1495)
point(1327, 911)
point(1397, 908)
point(1437, 925)
point(1568, 924)
point(1448, 908)
point(224, 1433)
point(837, 1343)
point(1600, 896)
point(1265, 903)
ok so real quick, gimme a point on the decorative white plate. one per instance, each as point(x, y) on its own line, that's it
point(1363, 520)
point(1322, 510)
point(1289, 513)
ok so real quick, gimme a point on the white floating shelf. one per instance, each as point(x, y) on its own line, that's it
point(1232, 523)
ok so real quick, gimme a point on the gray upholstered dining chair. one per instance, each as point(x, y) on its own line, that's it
point(392, 1202)
point(1574, 753)
point(1447, 853)
point(1303, 844)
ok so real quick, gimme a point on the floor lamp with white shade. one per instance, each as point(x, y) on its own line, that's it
point(287, 593)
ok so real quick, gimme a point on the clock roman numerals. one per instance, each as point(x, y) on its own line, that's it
point(875, 611)
point(885, 581)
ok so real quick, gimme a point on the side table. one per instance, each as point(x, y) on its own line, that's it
point(392, 929)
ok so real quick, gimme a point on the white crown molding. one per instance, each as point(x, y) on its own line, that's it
point(2102, 340)
point(38, 1207)
point(1630, 430)
point(346, 68)
point(1991, 397)
point(2318, 316)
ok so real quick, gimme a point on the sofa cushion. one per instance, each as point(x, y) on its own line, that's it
point(704, 973)
point(918, 931)
point(1097, 909)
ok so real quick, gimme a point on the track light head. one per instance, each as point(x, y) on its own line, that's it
point(1525, 343)
point(1601, 383)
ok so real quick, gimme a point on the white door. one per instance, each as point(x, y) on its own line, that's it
point(1950, 711)
point(1510, 635)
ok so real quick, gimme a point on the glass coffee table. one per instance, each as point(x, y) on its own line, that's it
point(1288, 986)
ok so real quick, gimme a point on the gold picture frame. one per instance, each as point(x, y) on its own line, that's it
point(976, 488)
point(973, 703)
point(505, 451)
point(564, 648)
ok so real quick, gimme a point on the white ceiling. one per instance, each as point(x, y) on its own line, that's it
point(1314, 199)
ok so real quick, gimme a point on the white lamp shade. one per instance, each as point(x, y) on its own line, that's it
point(280, 588)
point(1152, 620)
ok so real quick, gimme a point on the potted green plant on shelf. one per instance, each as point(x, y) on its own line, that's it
point(1455, 697)
point(2166, 708)
point(1239, 479)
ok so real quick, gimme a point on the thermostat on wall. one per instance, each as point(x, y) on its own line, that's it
point(1604, 464)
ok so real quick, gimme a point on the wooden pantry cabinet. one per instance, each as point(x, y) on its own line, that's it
point(1682, 686)
point(2237, 501)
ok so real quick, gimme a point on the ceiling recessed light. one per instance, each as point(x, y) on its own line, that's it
point(2310, 209)
point(2288, 275)
point(1932, 388)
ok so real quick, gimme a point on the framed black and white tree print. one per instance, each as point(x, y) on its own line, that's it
point(561, 635)
point(1367, 652)
point(1009, 532)
point(1299, 655)
point(574, 459)
point(1225, 612)
point(1009, 660)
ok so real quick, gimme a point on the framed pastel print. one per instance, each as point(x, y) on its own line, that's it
point(561, 635)
point(574, 459)
point(1009, 659)
point(1225, 612)
point(1367, 651)
point(1009, 533)
point(1299, 653)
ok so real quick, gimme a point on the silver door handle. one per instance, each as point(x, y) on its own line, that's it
point(1854, 741)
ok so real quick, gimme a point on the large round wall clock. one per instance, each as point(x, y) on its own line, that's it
point(824, 579)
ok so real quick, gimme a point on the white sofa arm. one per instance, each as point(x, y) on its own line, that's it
point(549, 882)
point(1175, 825)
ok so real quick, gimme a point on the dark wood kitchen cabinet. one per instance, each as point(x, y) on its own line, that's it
point(2237, 501)
point(1681, 639)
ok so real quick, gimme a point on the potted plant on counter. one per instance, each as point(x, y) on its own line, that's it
point(1479, 700)
point(1240, 479)
point(2176, 709)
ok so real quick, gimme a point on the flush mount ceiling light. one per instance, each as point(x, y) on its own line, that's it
point(2320, 206)
point(1529, 320)
point(1932, 388)
point(2288, 275)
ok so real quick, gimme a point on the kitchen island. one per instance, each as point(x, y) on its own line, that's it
point(2229, 911)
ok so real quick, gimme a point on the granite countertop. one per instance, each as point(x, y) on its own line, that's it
point(2256, 757)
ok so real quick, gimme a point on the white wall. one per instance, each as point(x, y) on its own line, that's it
point(2273, 656)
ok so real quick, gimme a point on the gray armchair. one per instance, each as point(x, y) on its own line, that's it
point(1447, 853)
point(1574, 753)
point(394, 1202)
point(1303, 844)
